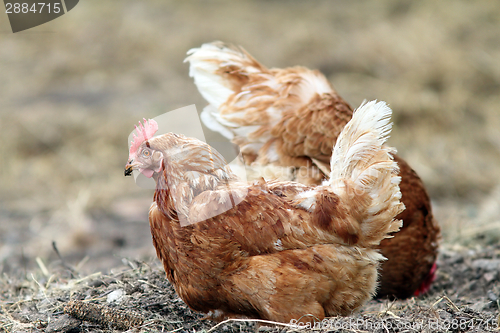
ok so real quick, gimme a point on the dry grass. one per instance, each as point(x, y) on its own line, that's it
point(57, 298)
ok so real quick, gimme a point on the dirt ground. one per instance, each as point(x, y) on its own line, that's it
point(72, 89)
point(136, 297)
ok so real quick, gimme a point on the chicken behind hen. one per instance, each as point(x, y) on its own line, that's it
point(285, 122)
point(272, 250)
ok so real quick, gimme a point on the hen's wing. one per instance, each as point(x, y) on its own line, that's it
point(356, 206)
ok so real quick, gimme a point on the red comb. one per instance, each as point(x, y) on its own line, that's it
point(144, 132)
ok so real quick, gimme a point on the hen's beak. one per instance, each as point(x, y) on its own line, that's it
point(129, 168)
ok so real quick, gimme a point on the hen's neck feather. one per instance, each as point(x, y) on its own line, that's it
point(190, 167)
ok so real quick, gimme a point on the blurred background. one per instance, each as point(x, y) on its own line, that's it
point(72, 89)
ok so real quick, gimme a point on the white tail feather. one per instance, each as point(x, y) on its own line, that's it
point(205, 63)
point(362, 137)
point(209, 116)
point(361, 165)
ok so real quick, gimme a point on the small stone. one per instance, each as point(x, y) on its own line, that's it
point(492, 296)
point(115, 296)
point(490, 276)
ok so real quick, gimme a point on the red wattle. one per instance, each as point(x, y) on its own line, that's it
point(426, 284)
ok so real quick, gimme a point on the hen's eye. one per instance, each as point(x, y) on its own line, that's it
point(146, 153)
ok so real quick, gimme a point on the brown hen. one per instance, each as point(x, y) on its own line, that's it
point(272, 250)
point(291, 118)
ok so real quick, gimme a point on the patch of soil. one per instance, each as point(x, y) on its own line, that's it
point(464, 298)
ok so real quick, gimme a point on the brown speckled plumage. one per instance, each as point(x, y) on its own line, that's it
point(270, 249)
